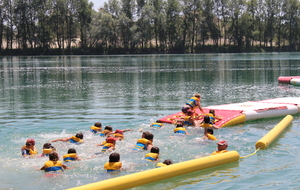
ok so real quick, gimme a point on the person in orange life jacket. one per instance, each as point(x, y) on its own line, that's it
point(29, 149)
point(96, 128)
point(145, 143)
point(222, 146)
point(206, 123)
point(54, 165)
point(114, 163)
point(192, 104)
point(47, 148)
point(120, 133)
point(164, 163)
point(77, 139)
point(109, 144)
point(153, 155)
point(71, 156)
point(209, 134)
point(107, 131)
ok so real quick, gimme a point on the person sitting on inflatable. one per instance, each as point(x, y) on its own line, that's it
point(54, 165)
point(153, 155)
point(192, 104)
point(222, 146)
point(164, 163)
point(71, 156)
point(145, 143)
point(96, 128)
point(213, 117)
point(77, 139)
point(107, 131)
point(206, 123)
point(114, 164)
point(157, 125)
point(47, 148)
point(180, 129)
point(29, 150)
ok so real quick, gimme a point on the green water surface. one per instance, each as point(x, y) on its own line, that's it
point(57, 96)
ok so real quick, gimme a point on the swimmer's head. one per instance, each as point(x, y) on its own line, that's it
point(53, 156)
point(154, 149)
point(206, 119)
point(109, 128)
point(197, 95)
point(79, 135)
point(71, 150)
point(98, 124)
point(179, 125)
point(168, 162)
point(114, 157)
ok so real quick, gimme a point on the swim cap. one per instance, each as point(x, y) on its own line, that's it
point(119, 131)
point(111, 139)
point(31, 141)
point(222, 143)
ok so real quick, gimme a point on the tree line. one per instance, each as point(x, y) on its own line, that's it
point(148, 26)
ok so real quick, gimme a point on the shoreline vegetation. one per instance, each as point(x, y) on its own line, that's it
point(123, 51)
point(73, 27)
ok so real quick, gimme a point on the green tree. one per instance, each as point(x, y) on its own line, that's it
point(145, 25)
point(272, 9)
point(159, 24)
point(84, 10)
point(237, 8)
point(173, 26)
point(191, 19)
point(290, 9)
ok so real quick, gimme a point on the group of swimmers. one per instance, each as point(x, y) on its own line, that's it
point(144, 143)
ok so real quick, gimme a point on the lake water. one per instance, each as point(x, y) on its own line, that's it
point(57, 96)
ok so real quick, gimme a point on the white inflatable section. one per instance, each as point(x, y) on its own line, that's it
point(295, 81)
point(264, 109)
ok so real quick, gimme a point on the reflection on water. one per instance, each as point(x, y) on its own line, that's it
point(57, 96)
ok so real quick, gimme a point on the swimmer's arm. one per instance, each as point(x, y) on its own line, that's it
point(149, 146)
point(121, 168)
point(200, 108)
point(216, 127)
point(101, 143)
point(42, 168)
point(24, 153)
point(63, 139)
point(65, 167)
point(127, 130)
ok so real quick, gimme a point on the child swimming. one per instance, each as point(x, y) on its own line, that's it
point(77, 139)
point(153, 155)
point(114, 163)
point(54, 165)
point(29, 149)
point(145, 143)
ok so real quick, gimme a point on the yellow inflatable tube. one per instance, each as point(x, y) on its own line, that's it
point(264, 142)
point(157, 174)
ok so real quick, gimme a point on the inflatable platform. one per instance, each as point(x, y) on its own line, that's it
point(295, 80)
point(233, 114)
